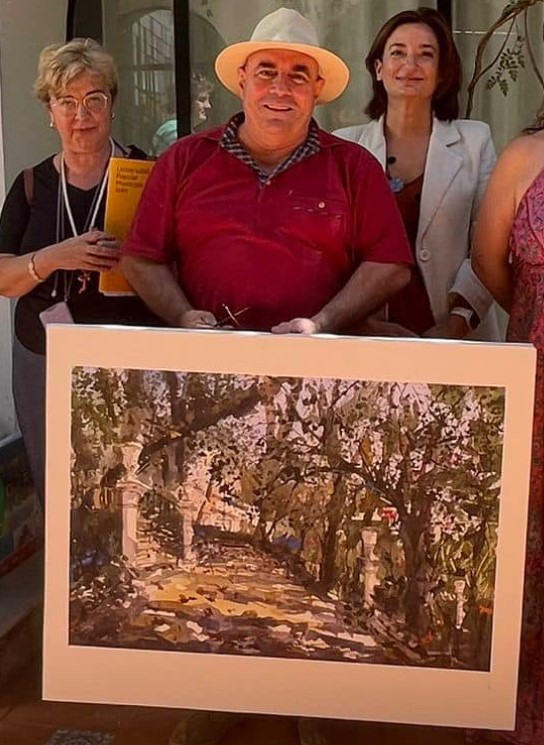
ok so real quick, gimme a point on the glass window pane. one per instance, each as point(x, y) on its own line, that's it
point(509, 104)
point(141, 39)
point(347, 27)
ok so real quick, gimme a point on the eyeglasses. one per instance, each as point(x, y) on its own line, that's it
point(94, 103)
point(230, 318)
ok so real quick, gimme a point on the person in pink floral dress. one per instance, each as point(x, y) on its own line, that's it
point(508, 256)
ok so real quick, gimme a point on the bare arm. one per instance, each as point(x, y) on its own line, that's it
point(92, 251)
point(15, 279)
point(370, 286)
point(514, 172)
point(158, 288)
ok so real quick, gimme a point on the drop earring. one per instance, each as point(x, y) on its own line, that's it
point(113, 114)
point(51, 124)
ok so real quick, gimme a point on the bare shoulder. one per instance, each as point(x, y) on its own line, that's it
point(525, 152)
point(520, 163)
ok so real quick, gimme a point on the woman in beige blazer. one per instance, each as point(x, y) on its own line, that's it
point(438, 167)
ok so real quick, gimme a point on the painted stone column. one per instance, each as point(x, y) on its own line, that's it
point(131, 493)
point(130, 490)
point(459, 586)
point(189, 512)
point(371, 564)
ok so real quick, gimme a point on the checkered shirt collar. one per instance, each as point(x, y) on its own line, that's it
point(231, 143)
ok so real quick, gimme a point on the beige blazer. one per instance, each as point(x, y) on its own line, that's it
point(460, 159)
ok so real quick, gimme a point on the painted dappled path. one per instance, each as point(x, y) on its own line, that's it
point(234, 599)
point(243, 601)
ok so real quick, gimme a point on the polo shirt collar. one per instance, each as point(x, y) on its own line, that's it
point(232, 144)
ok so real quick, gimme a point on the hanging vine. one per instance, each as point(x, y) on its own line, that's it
point(510, 58)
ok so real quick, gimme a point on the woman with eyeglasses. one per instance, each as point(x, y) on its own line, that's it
point(437, 165)
point(52, 245)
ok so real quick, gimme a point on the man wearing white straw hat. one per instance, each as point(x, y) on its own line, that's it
point(272, 223)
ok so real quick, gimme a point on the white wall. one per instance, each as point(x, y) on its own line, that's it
point(26, 26)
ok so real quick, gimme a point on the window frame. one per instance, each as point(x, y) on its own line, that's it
point(77, 26)
point(445, 7)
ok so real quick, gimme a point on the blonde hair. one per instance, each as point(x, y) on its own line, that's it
point(59, 64)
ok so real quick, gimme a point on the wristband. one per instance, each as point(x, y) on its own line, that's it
point(468, 314)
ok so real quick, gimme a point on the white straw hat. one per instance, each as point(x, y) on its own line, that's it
point(284, 29)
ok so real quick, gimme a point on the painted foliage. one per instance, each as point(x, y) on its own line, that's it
point(308, 518)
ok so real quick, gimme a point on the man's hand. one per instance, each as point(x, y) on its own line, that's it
point(197, 319)
point(296, 326)
point(454, 327)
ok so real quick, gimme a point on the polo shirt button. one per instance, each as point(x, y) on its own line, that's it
point(424, 254)
point(321, 205)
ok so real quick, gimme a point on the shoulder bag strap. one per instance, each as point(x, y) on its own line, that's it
point(28, 180)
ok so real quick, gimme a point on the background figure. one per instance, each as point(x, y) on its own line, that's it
point(201, 91)
point(438, 167)
point(52, 245)
point(509, 258)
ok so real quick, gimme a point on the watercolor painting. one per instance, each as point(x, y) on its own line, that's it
point(301, 515)
point(290, 517)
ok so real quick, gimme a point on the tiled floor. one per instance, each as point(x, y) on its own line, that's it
point(26, 720)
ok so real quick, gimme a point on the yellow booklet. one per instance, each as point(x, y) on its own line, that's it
point(126, 181)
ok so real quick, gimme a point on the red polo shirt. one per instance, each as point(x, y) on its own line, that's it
point(281, 249)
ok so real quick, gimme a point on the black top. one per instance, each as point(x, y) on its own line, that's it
point(26, 228)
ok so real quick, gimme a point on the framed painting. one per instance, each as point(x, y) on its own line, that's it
point(318, 526)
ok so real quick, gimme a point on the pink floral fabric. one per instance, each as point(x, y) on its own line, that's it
point(527, 324)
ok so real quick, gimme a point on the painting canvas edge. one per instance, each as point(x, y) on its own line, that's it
point(296, 687)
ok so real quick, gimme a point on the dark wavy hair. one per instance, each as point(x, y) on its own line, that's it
point(446, 97)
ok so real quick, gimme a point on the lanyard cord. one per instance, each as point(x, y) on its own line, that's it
point(91, 217)
point(63, 205)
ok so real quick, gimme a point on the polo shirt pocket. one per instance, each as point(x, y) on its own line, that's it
point(319, 220)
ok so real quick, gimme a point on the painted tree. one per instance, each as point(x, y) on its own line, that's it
point(429, 457)
point(432, 455)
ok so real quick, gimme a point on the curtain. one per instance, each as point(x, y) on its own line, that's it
point(506, 114)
